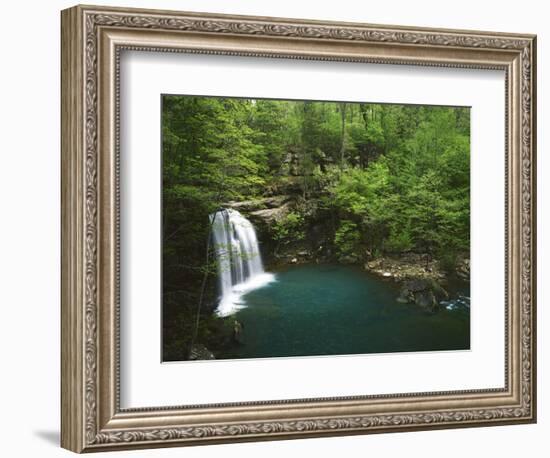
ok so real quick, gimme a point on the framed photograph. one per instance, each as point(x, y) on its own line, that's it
point(279, 228)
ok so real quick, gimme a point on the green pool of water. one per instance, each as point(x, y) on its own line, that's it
point(335, 310)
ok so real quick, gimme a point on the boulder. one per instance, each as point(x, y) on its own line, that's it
point(416, 285)
point(199, 352)
point(423, 292)
point(403, 299)
point(426, 299)
point(463, 268)
point(238, 330)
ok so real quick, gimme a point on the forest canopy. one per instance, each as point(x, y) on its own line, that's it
point(376, 179)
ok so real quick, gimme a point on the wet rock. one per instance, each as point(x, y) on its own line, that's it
point(200, 352)
point(423, 292)
point(426, 299)
point(349, 259)
point(416, 285)
point(463, 268)
point(403, 299)
point(238, 329)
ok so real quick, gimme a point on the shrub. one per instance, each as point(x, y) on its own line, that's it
point(398, 241)
point(347, 238)
point(289, 229)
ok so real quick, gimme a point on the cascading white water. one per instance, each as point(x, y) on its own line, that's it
point(240, 266)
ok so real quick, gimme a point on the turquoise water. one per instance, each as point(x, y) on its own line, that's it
point(334, 310)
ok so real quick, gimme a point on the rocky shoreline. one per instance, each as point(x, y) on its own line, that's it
point(408, 266)
point(422, 279)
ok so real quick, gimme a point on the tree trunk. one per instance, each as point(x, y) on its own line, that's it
point(203, 286)
point(343, 107)
point(365, 115)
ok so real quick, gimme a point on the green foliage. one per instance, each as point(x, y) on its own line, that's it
point(359, 191)
point(399, 241)
point(289, 229)
point(417, 195)
point(347, 238)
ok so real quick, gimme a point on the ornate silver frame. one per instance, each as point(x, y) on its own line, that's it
point(92, 38)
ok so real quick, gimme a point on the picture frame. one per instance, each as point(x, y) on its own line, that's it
point(93, 39)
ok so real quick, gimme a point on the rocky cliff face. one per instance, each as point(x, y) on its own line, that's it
point(264, 211)
point(248, 206)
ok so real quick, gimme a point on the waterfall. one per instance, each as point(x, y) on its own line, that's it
point(240, 267)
